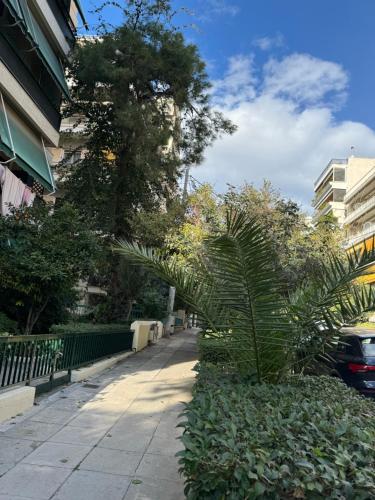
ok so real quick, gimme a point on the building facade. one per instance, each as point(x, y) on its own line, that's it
point(330, 190)
point(359, 222)
point(336, 186)
point(36, 37)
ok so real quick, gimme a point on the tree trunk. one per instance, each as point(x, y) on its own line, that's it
point(33, 316)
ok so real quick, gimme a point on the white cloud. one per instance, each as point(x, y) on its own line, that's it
point(222, 7)
point(305, 79)
point(287, 130)
point(267, 42)
point(238, 83)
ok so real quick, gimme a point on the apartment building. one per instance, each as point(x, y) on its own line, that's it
point(359, 222)
point(330, 190)
point(336, 182)
point(36, 37)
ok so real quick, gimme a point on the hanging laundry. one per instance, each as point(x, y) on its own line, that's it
point(12, 192)
point(28, 197)
point(2, 174)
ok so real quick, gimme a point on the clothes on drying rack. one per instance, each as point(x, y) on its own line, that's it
point(12, 191)
point(28, 197)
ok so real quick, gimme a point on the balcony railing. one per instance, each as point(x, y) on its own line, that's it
point(360, 185)
point(321, 194)
point(360, 236)
point(25, 358)
point(328, 168)
point(63, 19)
point(14, 63)
point(362, 209)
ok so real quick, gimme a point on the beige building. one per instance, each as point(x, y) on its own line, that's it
point(341, 188)
point(359, 222)
point(330, 189)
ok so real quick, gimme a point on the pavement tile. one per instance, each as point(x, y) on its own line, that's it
point(85, 436)
point(111, 461)
point(34, 431)
point(159, 467)
point(88, 485)
point(149, 489)
point(13, 450)
point(159, 445)
point(62, 455)
point(53, 416)
point(129, 440)
point(99, 420)
point(32, 481)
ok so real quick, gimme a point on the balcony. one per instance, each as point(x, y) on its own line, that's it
point(361, 184)
point(328, 169)
point(366, 233)
point(361, 210)
point(322, 194)
point(15, 65)
point(62, 17)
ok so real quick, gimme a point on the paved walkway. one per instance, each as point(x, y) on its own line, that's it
point(113, 437)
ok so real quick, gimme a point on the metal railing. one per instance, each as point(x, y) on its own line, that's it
point(360, 210)
point(24, 358)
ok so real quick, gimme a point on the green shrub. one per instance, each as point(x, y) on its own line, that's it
point(212, 350)
point(90, 327)
point(7, 325)
point(311, 438)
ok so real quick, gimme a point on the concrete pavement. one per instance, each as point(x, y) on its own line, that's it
point(113, 437)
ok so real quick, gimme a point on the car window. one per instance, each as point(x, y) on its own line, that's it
point(368, 346)
point(348, 345)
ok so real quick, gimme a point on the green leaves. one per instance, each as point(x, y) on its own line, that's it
point(311, 437)
point(236, 290)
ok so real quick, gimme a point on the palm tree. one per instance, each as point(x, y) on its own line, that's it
point(236, 291)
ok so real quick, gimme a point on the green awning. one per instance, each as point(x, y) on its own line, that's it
point(22, 13)
point(19, 141)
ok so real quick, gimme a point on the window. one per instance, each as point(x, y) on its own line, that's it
point(368, 346)
point(339, 174)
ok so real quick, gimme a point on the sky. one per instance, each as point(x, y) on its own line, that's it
point(297, 77)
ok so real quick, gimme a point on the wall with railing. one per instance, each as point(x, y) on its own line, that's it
point(25, 358)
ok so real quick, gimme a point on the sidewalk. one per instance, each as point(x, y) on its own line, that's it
point(113, 437)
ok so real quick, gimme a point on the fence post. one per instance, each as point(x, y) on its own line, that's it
point(72, 357)
point(32, 364)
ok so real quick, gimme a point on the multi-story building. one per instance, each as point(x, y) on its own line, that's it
point(330, 189)
point(36, 37)
point(359, 200)
point(336, 182)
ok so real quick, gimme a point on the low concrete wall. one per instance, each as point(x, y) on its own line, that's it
point(89, 371)
point(143, 333)
point(16, 401)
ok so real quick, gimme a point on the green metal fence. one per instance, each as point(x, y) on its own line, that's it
point(24, 358)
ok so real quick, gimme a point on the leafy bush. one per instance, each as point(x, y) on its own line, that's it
point(212, 350)
point(90, 327)
point(311, 438)
point(7, 325)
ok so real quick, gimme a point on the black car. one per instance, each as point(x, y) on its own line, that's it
point(355, 361)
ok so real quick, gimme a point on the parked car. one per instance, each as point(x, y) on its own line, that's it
point(354, 360)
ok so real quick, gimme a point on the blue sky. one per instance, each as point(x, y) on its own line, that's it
point(298, 78)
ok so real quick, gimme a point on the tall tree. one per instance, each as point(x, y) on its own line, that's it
point(143, 94)
point(43, 255)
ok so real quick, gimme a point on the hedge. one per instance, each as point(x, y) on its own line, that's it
point(311, 438)
point(90, 328)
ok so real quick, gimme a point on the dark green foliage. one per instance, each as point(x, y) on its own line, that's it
point(312, 438)
point(85, 328)
point(142, 92)
point(7, 325)
point(43, 254)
